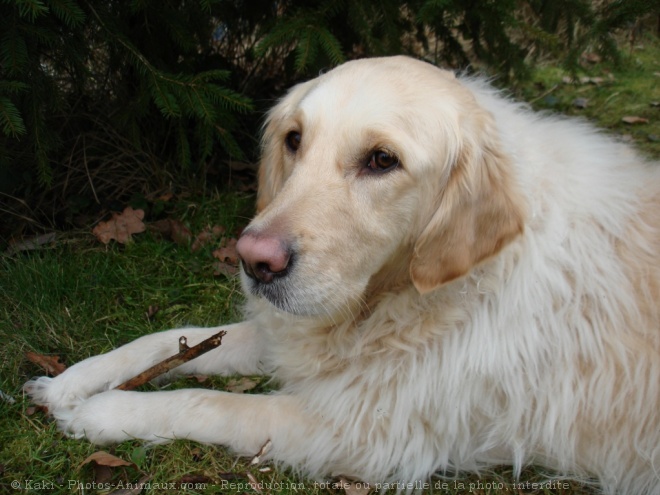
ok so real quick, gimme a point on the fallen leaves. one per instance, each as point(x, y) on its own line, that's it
point(226, 255)
point(121, 226)
point(172, 229)
point(240, 385)
point(228, 259)
point(104, 465)
point(633, 120)
point(102, 458)
point(206, 237)
point(181, 235)
point(582, 102)
point(50, 364)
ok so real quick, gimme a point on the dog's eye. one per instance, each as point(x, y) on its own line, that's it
point(292, 141)
point(382, 161)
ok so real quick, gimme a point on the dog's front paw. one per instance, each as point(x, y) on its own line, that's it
point(64, 391)
point(103, 418)
point(53, 393)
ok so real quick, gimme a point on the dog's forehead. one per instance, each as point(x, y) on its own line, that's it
point(389, 91)
point(361, 88)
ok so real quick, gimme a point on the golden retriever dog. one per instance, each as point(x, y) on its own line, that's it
point(439, 279)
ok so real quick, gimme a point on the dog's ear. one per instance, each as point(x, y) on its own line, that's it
point(479, 212)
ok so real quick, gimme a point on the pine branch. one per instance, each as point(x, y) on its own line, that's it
point(305, 50)
point(331, 46)
point(10, 119)
point(31, 9)
point(13, 52)
point(164, 100)
point(68, 11)
point(13, 87)
point(183, 146)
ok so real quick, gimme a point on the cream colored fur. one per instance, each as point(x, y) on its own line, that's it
point(494, 299)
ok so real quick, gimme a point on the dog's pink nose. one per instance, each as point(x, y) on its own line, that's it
point(264, 257)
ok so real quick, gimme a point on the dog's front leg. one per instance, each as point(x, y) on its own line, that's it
point(240, 352)
point(242, 422)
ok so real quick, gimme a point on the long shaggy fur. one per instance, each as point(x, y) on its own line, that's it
point(492, 300)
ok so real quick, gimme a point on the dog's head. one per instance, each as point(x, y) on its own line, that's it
point(382, 169)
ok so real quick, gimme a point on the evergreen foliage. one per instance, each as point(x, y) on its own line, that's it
point(73, 71)
point(103, 99)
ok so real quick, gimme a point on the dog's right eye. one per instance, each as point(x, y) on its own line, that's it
point(292, 141)
point(382, 161)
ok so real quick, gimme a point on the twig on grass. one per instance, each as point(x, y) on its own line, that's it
point(265, 448)
point(185, 354)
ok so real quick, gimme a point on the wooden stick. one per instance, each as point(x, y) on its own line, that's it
point(185, 354)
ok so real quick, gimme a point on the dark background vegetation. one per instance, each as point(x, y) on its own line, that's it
point(106, 103)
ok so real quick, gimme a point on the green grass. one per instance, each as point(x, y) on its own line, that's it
point(630, 89)
point(78, 298)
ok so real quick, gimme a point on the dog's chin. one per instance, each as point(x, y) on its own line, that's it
point(279, 298)
point(295, 301)
point(278, 295)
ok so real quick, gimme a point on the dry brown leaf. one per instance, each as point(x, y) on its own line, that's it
point(161, 227)
point(174, 229)
point(103, 464)
point(32, 410)
point(238, 386)
point(201, 240)
point(632, 119)
point(180, 233)
point(228, 256)
point(221, 268)
point(102, 474)
point(50, 364)
point(121, 226)
point(228, 253)
point(103, 458)
point(206, 237)
point(200, 378)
